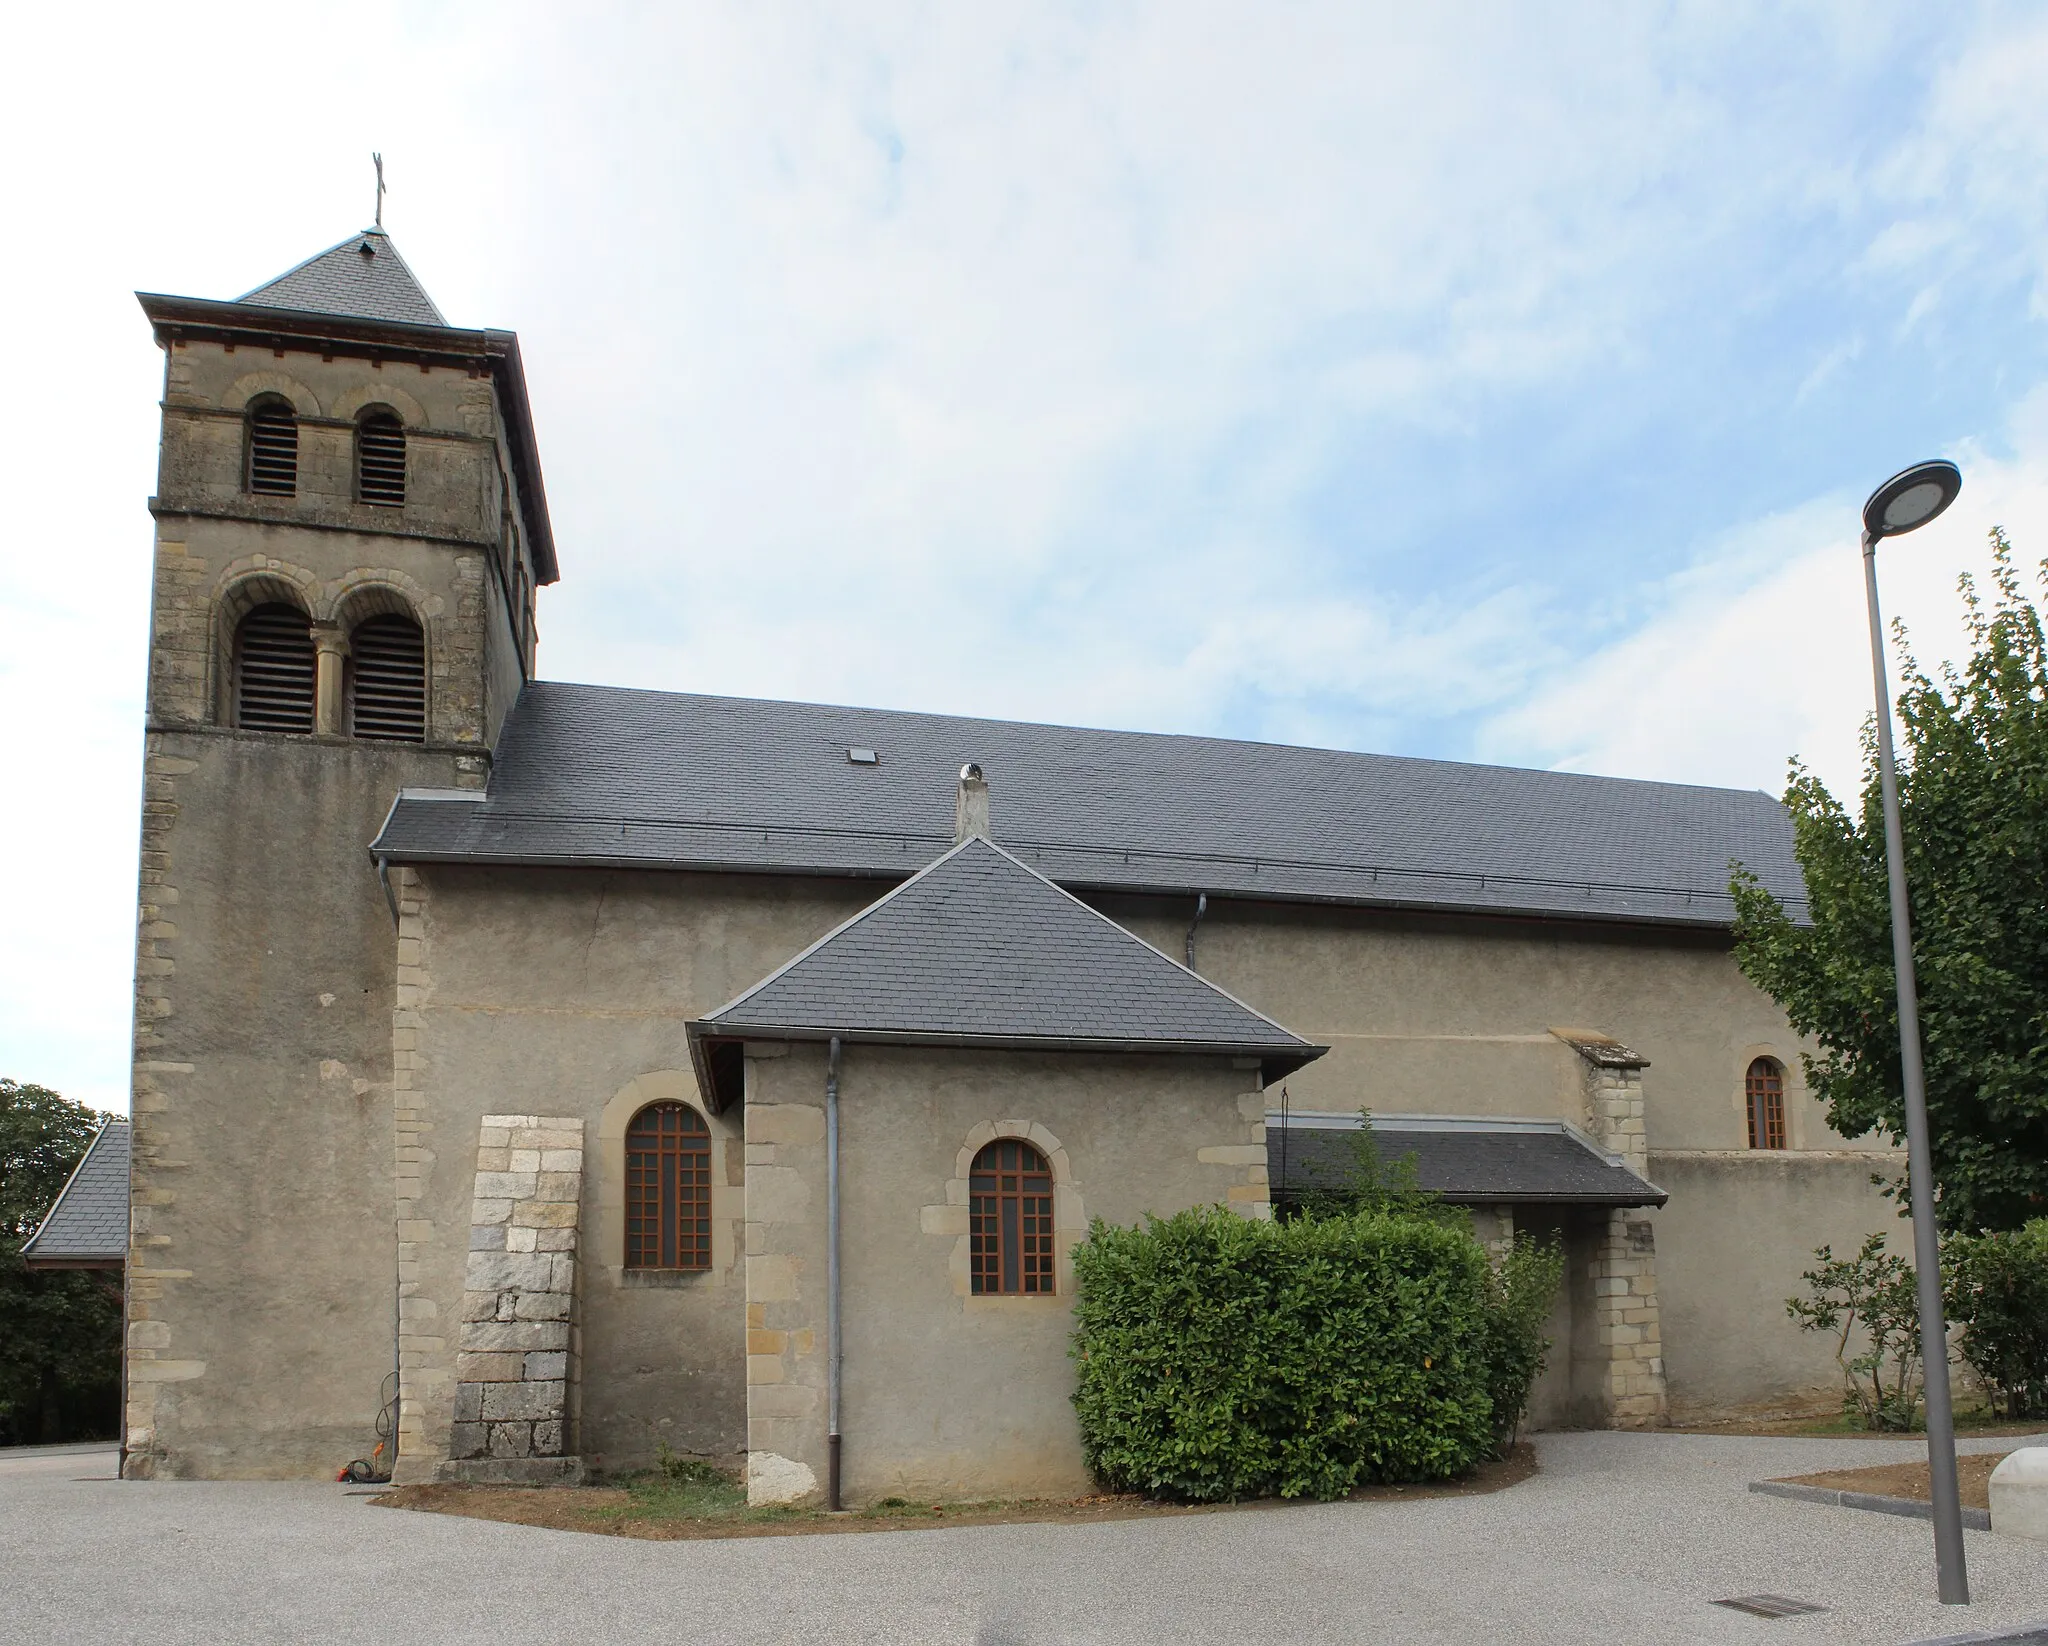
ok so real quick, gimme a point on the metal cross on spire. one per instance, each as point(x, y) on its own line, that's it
point(377, 160)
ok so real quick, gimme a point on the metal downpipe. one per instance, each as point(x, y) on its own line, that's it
point(832, 1276)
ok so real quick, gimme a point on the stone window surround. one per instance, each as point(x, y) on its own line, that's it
point(1796, 1096)
point(333, 606)
point(604, 1260)
point(950, 1217)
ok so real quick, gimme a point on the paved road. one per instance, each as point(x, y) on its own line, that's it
point(1619, 1538)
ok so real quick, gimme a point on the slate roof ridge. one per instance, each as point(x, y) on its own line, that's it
point(695, 781)
point(1130, 936)
point(841, 929)
point(79, 1171)
point(387, 248)
point(1123, 932)
point(1122, 936)
point(1208, 738)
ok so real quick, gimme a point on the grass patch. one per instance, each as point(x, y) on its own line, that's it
point(1975, 1419)
point(687, 1499)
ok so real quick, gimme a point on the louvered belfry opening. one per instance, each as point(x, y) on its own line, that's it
point(388, 680)
point(273, 449)
point(380, 460)
point(274, 668)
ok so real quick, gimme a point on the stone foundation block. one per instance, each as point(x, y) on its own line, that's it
point(511, 1402)
point(2019, 1495)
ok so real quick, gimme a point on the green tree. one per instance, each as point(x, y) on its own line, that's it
point(1973, 777)
point(60, 1332)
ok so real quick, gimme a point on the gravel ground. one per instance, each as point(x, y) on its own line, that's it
point(1620, 1537)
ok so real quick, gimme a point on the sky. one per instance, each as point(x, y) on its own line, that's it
point(1484, 383)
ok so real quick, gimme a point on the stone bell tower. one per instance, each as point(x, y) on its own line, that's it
point(350, 526)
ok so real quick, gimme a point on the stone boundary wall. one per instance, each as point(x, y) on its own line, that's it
point(516, 1352)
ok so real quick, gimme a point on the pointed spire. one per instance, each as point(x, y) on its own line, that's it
point(363, 276)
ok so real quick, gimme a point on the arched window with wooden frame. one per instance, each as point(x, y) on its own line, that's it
point(274, 670)
point(668, 1189)
point(380, 458)
point(387, 679)
point(271, 461)
point(1764, 1086)
point(1010, 1220)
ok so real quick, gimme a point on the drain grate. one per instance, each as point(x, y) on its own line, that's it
point(1770, 1606)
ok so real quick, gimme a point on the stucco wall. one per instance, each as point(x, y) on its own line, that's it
point(1438, 1015)
point(566, 992)
point(261, 1309)
point(946, 1394)
point(1740, 1228)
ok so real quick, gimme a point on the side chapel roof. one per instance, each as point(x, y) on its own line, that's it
point(977, 949)
point(604, 776)
point(86, 1226)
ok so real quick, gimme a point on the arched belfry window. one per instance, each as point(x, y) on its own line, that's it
point(668, 1189)
point(272, 469)
point(1010, 1219)
point(380, 459)
point(1764, 1087)
point(274, 668)
point(387, 680)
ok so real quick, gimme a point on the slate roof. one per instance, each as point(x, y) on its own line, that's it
point(1469, 1161)
point(977, 949)
point(87, 1225)
point(603, 775)
point(362, 276)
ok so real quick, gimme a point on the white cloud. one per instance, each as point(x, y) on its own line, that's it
point(1761, 651)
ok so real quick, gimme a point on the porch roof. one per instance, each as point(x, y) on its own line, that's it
point(1468, 1160)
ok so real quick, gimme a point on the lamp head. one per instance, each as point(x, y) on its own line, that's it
point(1911, 498)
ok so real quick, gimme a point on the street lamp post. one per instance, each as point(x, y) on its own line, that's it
point(1904, 503)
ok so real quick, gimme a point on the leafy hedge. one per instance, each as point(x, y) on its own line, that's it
point(1997, 1288)
point(1223, 1358)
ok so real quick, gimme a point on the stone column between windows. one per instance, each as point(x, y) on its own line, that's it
point(1623, 1272)
point(329, 649)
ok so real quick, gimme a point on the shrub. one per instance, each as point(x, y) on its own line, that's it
point(1520, 1289)
point(1997, 1287)
point(1871, 1292)
point(1221, 1357)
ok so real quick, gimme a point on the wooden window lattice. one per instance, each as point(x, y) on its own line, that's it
point(380, 461)
point(274, 667)
point(273, 450)
point(1010, 1220)
point(388, 680)
point(1765, 1087)
point(668, 1189)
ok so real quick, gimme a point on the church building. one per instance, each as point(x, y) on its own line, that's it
point(537, 1075)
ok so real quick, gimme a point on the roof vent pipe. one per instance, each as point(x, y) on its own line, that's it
point(970, 813)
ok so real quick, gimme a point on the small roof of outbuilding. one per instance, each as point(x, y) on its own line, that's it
point(362, 275)
point(86, 1226)
point(977, 949)
point(1468, 1160)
